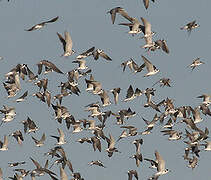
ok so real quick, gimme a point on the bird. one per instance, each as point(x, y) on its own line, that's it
point(138, 157)
point(40, 142)
point(60, 139)
point(147, 34)
point(161, 44)
point(193, 162)
point(77, 127)
point(161, 169)
point(131, 94)
point(190, 26)
point(173, 135)
point(43, 83)
point(196, 62)
point(22, 98)
point(111, 145)
point(49, 64)
point(40, 171)
point(124, 134)
point(104, 98)
point(132, 173)
point(152, 70)
point(96, 143)
point(207, 145)
point(151, 123)
point(98, 163)
point(121, 11)
point(138, 143)
point(18, 136)
point(132, 130)
point(81, 63)
point(67, 44)
point(86, 53)
point(116, 92)
point(132, 65)
point(29, 125)
point(9, 114)
point(13, 164)
point(135, 28)
point(12, 89)
point(153, 163)
point(100, 53)
point(206, 99)
point(42, 24)
point(97, 86)
point(23, 172)
point(163, 82)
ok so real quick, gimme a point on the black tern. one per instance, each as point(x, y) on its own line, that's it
point(195, 63)
point(40, 142)
point(150, 67)
point(98, 163)
point(121, 11)
point(67, 44)
point(100, 52)
point(48, 64)
point(86, 53)
point(190, 26)
point(132, 173)
point(42, 24)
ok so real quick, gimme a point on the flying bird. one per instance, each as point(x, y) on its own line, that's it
point(42, 24)
point(161, 169)
point(121, 11)
point(60, 139)
point(48, 64)
point(152, 70)
point(97, 163)
point(40, 142)
point(100, 53)
point(67, 44)
point(196, 62)
point(22, 98)
point(190, 26)
point(86, 53)
point(147, 34)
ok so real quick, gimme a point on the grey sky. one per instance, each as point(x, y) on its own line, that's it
point(89, 25)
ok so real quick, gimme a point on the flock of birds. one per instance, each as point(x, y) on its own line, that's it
point(165, 112)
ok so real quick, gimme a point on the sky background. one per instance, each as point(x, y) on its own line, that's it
point(89, 25)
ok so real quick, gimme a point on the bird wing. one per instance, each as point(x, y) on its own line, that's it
point(68, 40)
point(42, 138)
point(124, 14)
point(130, 92)
point(51, 65)
point(146, 3)
point(112, 142)
point(161, 162)
point(62, 40)
point(36, 163)
point(61, 133)
point(105, 56)
point(63, 175)
point(148, 64)
point(52, 20)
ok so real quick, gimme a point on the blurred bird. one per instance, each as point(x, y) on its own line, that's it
point(42, 24)
point(67, 44)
